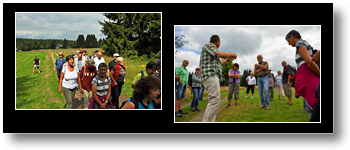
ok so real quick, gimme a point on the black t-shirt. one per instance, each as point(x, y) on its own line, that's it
point(36, 61)
point(111, 65)
point(285, 74)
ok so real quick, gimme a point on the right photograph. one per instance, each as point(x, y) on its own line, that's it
point(251, 73)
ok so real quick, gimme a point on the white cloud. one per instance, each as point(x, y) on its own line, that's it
point(247, 42)
point(192, 57)
point(58, 25)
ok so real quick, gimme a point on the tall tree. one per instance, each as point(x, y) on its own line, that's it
point(65, 43)
point(80, 41)
point(131, 33)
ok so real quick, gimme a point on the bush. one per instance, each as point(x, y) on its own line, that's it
point(134, 57)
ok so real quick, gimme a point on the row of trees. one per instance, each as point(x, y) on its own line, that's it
point(36, 44)
point(132, 34)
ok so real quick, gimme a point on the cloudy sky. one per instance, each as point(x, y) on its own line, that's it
point(247, 42)
point(58, 25)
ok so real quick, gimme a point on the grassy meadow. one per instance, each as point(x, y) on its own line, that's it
point(40, 91)
point(37, 91)
point(247, 109)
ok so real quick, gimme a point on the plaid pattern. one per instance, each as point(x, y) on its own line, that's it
point(210, 64)
point(183, 74)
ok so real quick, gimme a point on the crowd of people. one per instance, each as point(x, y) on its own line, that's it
point(102, 85)
point(209, 75)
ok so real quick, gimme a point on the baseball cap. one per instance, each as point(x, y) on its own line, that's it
point(116, 55)
point(91, 62)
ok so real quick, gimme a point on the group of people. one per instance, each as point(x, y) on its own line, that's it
point(307, 79)
point(102, 84)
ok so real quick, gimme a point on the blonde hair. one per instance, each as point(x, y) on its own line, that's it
point(119, 59)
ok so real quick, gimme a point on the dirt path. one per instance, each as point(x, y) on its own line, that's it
point(78, 100)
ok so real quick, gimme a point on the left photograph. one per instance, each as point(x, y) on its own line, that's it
point(88, 61)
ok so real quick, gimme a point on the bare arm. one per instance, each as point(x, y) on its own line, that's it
point(308, 60)
point(128, 105)
point(60, 84)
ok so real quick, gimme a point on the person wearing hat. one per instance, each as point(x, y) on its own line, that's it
point(271, 84)
point(234, 75)
point(87, 73)
point(150, 69)
point(196, 89)
point(113, 62)
point(118, 79)
point(58, 65)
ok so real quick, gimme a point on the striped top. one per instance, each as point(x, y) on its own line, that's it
point(298, 59)
point(102, 86)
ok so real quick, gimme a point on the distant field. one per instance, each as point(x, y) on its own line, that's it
point(247, 109)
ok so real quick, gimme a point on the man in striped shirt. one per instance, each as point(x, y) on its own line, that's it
point(211, 71)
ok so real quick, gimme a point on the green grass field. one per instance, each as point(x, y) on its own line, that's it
point(247, 109)
point(37, 91)
point(40, 91)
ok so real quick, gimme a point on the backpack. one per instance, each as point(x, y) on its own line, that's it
point(190, 79)
point(142, 74)
point(136, 103)
point(292, 76)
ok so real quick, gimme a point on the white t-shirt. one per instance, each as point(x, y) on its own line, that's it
point(98, 61)
point(279, 79)
point(251, 81)
point(70, 79)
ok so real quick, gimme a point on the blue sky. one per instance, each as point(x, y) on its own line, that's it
point(247, 42)
point(58, 25)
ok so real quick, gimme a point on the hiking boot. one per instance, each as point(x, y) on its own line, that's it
point(182, 112)
point(262, 107)
point(197, 109)
point(177, 114)
point(268, 107)
point(192, 109)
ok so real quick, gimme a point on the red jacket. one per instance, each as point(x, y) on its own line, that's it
point(116, 73)
point(88, 76)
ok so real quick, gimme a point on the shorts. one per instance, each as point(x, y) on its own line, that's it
point(287, 89)
point(233, 88)
point(180, 91)
point(36, 66)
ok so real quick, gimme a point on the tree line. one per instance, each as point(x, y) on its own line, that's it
point(26, 44)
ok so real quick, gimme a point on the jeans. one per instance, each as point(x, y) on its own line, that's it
point(201, 94)
point(263, 86)
point(196, 92)
point(59, 73)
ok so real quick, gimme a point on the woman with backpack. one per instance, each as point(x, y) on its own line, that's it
point(307, 77)
point(146, 90)
point(117, 75)
point(101, 89)
point(69, 81)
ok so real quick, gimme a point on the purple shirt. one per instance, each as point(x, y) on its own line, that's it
point(231, 79)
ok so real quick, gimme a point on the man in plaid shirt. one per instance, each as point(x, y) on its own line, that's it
point(182, 72)
point(211, 71)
